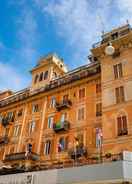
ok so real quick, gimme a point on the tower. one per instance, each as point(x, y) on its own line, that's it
point(48, 68)
point(114, 53)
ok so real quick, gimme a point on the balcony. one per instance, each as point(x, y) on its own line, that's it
point(63, 105)
point(21, 156)
point(4, 140)
point(77, 152)
point(123, 132)
point(61, 126)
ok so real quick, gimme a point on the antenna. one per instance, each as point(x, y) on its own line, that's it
point(100, 20)
point(101, 23)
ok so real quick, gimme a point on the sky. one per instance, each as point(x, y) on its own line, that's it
point(31, 29)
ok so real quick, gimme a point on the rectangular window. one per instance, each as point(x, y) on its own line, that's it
point(65, 98)
point(81, 113)
point(17, 130)
point(47, 147)
point(99, 109)
point(31, 129)
point(63, 117)
point(122, 126)
point(52, 102)
point(19, 113)
point(11, 116)
point(118, 71)
point(35, 108)
point(81, 93)
point(50, 122)
point(119, 92)
point(98, 88)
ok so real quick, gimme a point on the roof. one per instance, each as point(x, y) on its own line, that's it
point(70, 77)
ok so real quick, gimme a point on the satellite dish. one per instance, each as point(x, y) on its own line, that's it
point(109, 50)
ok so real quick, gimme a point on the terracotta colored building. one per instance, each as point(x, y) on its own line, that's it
point(63, 112)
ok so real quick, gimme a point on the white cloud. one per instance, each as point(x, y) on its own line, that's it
point(9, 78)
point(77, 23)
point(125, 7)
point(27, 35)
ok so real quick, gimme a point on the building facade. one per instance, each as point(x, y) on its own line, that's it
point(87, 108)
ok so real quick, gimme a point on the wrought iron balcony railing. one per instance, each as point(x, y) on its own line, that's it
point(61, 126)
point(63, 105)
point(4, 140)
point(123, 132)
point(21, 156)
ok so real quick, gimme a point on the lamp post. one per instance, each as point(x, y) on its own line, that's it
point(75, 149)
point(99, 142)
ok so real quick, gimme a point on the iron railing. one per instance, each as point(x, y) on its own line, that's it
point(61, 126)
point(21, 156)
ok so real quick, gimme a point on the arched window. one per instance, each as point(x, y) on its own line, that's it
point(63, 144)
point(46, 75)
point(122, 125)
point(47, 147)
point(41, 77)
point(36, 79)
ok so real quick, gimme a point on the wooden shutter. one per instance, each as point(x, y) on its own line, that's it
point(122, 94)
point(115, 72)
point(120, 70)
point(119, 126)
point(117, 93)
point(124, 122)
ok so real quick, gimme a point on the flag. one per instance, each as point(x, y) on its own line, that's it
point(59, 147)
point(99, 137)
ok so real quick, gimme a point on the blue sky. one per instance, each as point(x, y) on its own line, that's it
point(31, 29)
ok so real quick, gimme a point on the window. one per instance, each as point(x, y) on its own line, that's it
point(81, 93)
point(31, 127)
point(46, 75)
point(19, 113)
point(119, 92)
point(54, 76)
point(47, 147)
point(36, 79)
point(114, 36)
point(63, 144)
point(35, 108)
point(63, 117)
point(50, 122)
point(16, 131)
point(53, 102)
point(65, 98)
point(11, 116)
point(41, 77)
point(98, 88)
point(81, 113)
point(122, 125)
point(99, 109)
point(118, 70)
